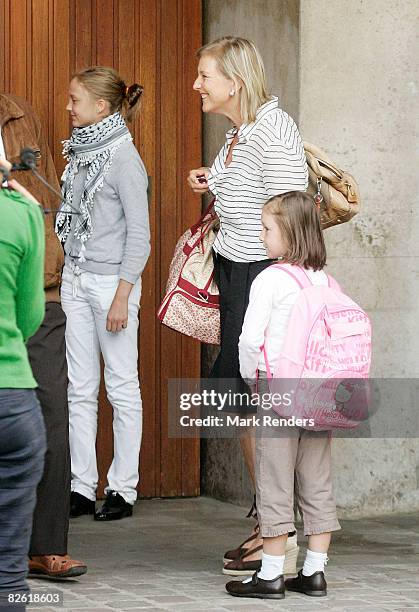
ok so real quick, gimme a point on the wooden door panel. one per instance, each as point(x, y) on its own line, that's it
point(190, 143)
point(106, 42)
point(169, 220)
point(61, 70)
point(19, 38)
point(152, 42)
point(82, 33)
point(147, 132)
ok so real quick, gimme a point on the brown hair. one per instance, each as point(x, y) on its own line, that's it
point(298, 218)
point(104, 83)
point(238, 58)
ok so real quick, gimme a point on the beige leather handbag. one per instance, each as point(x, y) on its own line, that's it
point(335, 191)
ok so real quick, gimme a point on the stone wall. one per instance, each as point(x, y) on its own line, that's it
point(359, 101)
point(348, 73)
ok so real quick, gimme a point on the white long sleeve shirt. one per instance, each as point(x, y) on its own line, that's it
point(272, 295)
point(267, 160)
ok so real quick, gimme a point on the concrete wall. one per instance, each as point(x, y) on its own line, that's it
point(273, 25)
point(357, 98)
point(359, 101)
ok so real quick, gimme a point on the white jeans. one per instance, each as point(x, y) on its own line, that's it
point(86, 299)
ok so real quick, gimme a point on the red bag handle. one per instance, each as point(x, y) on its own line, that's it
point(195, 227)
point(198, 224)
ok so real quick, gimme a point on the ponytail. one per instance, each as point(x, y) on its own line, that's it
point(131, 102)
point(105, 83)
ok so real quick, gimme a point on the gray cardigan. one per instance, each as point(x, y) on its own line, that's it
point(120, 241)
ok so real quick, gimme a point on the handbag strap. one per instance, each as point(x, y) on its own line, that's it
point(209, 209)
point(200, 221)
point(231, 145)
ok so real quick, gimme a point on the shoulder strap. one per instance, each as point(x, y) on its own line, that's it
point(210, 207)
point(300, 275)
point(297, 273)
point(268, 369)
point(198, 224)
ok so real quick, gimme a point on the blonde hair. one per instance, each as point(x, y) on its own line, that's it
point(299, 221)
point(239, 58)
point(104, 83)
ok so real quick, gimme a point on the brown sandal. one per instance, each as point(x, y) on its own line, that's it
point(241, 567)
point(236, 553)
point(56, 566)
point(253, 512)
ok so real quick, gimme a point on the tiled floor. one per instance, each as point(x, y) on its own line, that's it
point(168, 557)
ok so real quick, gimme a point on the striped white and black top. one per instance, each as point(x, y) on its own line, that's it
point(268, 159)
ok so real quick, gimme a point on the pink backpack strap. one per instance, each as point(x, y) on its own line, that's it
point(296, 272)
point(301, 277)
point(268, 369)
point(299, 274)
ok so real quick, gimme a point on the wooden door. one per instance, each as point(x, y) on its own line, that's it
point(152, 42)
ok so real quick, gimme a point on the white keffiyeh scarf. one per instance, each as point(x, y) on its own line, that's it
point(93, 146)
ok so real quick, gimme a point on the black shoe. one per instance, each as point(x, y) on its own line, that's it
point(79, 505)
point(258, 588)
point(114, 508)
point(314, 585)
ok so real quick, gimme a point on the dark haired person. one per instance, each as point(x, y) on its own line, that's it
point(20, 128)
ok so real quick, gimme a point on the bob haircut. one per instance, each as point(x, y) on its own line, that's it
point(239, 59)
point(299, 221)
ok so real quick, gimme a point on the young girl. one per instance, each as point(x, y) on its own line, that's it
point(105, 227)
point(291, 233)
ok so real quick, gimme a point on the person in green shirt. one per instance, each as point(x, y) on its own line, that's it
point(22, 431)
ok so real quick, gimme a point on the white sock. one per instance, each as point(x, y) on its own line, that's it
point(314, 562)
point(272, 567)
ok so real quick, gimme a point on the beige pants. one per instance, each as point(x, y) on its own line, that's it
point(302, 457)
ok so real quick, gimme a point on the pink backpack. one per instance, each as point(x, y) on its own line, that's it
point(325, 358)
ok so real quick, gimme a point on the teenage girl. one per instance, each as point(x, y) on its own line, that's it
point(291, 232)
point(104, 224)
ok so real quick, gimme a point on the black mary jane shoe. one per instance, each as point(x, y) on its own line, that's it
point(79, 505)
point(258, 588)
point(114, 508)
point(313, 586)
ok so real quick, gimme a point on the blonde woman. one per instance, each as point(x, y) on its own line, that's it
point(104, 226)
point(262, 156)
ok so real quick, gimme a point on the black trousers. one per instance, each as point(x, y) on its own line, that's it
point(234, 280)
point(48, 360)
